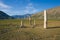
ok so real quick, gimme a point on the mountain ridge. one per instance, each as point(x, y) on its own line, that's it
point(3, 15)
point(53, 13)
point(22, 16)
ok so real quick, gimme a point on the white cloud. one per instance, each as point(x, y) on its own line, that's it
point(30, 8)
point(30, 5)
point(2, 5)
point(9, 10)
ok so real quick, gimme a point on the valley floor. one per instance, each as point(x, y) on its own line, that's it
point(10, 30)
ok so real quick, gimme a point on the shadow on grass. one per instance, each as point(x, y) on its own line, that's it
point(53, 27)
point(33, 26)
point(24, 27)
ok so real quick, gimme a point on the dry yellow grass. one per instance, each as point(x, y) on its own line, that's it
point(10, 30)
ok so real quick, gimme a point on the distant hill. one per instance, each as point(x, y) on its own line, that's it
point(3, 15)
point(22, 16)
point(53, 13)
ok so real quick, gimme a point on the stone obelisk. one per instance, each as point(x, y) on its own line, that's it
point(45, 19)
point(21, 23)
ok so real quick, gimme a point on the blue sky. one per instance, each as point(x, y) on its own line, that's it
point(21, 7)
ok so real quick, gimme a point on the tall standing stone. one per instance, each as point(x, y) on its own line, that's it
point(21, 23)
point(34, 22)
point(29, 20)
point(45, 19)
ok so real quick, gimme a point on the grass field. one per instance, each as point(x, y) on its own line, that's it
point(10, 30)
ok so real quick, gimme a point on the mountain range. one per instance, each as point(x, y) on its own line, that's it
point(3, 15)
point(22, 16)
point(52, 13)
